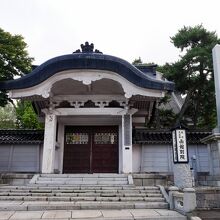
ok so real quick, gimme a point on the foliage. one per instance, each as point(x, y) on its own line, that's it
point(14, 59)
point(166, 117)
point(137, 61)
point(140, 62)
point(26, 117)
point(21, 116)
point(193, 75)
point(162, 117)
point(7, 117)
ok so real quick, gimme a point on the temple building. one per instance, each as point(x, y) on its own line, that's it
point(95, 107)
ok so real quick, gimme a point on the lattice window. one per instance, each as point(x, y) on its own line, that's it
point(105, 138)
point(77, 138)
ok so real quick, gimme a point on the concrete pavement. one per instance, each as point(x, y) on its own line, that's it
point(125, 214)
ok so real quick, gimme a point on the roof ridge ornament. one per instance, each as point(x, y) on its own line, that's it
point(87, 48)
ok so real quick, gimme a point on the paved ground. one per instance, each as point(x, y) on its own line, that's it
point(92, 214)
point(211, 214)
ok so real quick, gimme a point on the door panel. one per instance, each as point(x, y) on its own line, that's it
point(105, 151)
point(76, 151)
point(91, 149)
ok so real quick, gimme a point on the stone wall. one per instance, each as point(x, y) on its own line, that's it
point(142, 179)
point(15, 179)
point(208, 197)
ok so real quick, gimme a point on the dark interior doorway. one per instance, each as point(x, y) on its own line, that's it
point(90, 149)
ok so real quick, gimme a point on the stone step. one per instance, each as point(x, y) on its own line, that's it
point(79, 187)
point(81, 193)
point(102, 194)
point(50, 189)
point(93, 175)
point(76, 198)
point(70, 190)
point(83, 179)
point(92, 182)
point(85, 205)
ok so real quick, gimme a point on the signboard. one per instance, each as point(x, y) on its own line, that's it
point(180, 150)
point(174, 147)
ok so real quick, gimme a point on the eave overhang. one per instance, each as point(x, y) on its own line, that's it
point(92, 61)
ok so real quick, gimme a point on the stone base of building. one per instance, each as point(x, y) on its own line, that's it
point(208, 197)
point(209, 181)
point(18, 179)
point(143, 179)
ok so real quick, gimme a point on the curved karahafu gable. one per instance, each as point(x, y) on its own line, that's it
point(87, 59)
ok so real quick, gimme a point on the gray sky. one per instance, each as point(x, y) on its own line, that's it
point(124, 28)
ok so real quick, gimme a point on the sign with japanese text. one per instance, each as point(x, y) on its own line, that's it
point(174, 147)
point(180, 151)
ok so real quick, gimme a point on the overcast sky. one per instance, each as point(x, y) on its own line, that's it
point(125, 28)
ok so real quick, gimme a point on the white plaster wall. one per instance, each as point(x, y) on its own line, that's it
point(200, 152)
point(19, 158)
point(136, 158)
point(159, 158)
point(155, 158)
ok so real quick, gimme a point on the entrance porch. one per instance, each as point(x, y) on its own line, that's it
point(89, 144)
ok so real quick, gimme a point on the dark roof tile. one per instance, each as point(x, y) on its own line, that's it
point(140, 136)
point(87, 61)
point(17, 136)
point(143, 136)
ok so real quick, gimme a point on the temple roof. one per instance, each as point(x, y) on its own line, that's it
point(88, 59)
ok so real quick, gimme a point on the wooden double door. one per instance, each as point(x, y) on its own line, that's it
point(91, 149)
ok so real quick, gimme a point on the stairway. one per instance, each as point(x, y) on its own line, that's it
point(77, 191)
point(103, 179)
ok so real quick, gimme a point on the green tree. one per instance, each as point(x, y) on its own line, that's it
point(137, 61)
point(14, 60)
point(7, 117)
point(26, 117)
point(193, 75)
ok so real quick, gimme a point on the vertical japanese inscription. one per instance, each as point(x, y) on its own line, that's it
point(174, 147)
point(180, 151)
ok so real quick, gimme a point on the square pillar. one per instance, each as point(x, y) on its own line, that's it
point(216, 66)
point(49, 143)
point(182, 175)
point(214, 146)
point(213, 142)
point(126, 143)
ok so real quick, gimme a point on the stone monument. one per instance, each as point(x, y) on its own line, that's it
point(181, 168)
